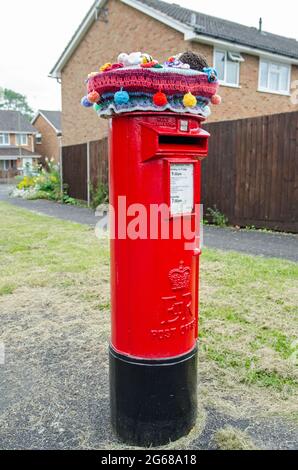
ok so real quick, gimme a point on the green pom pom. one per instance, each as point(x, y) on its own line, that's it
point(96, 107)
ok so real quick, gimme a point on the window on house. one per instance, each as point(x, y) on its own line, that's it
point(274, 77)
point(38, 138)
point(22, 139)
point(6, 165)
point(4, 139)
point(227, 65)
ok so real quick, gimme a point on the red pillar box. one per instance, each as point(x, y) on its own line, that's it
point(156, 145)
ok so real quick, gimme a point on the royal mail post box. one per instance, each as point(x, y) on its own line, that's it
point(156, 144)
point(155, 171)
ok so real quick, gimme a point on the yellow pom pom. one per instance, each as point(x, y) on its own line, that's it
point(189, 100)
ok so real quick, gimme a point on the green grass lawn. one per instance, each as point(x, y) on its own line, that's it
point(248, 310)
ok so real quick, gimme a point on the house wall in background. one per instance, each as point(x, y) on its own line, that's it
point(130, 30)
point(49, 146)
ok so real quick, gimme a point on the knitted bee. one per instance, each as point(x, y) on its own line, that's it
point(146, 58)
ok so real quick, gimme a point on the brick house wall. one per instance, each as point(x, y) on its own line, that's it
point(49, 146)
point(129, 30)
point(246, 101)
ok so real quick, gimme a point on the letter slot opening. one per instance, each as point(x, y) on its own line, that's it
point(180, 143)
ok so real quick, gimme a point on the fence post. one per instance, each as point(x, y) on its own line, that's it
point(88, 173)
point(61, 164)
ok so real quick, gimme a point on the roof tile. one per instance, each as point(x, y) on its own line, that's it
point(14, 121)
point(228, 30)
point(54, 117)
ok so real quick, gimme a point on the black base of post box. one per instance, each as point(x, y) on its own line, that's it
point(153, 402)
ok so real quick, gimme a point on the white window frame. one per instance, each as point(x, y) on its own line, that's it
point(8, 140)
point(21, 134)
point(6, 165)
point(38, 139)
point(224, 82)
point(268, 90)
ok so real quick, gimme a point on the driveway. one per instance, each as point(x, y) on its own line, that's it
point(253, 242)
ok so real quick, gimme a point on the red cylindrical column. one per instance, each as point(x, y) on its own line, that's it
point(155, 174)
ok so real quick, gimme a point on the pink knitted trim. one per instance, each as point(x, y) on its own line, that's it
point(147, 81)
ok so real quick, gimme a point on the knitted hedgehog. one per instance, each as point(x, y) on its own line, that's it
point(195, 61)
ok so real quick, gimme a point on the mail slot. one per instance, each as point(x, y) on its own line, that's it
point(174, 141)
point(154, 277)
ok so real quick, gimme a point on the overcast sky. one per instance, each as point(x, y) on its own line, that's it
point(33, 33)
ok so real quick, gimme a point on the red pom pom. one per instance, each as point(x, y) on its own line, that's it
point(216, 99)
point(93, 97)
point(160, 99)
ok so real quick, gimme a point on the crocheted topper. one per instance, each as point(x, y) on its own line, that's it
point(137, 82)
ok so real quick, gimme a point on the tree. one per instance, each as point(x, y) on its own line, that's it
point(14, 101)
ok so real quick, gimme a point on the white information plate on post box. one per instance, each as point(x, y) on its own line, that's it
point(182, 188)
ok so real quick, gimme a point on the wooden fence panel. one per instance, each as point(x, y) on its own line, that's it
point(74, 168)
point(99, 172)
point(251, 173)
point(218, 169)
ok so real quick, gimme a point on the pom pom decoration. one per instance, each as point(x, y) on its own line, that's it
point(189, 100)
point(121, 97)
point(96, 107)
point(93, 97)
point(85, 102)
point(160, 99)
point(216, 99)
point(195, 61)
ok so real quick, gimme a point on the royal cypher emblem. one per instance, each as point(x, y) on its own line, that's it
point(180, 277)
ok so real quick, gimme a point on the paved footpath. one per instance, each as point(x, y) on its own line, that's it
point(255, 242)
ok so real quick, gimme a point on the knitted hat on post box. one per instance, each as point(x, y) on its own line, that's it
point(137, 82)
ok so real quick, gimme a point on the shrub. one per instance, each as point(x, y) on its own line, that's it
point(99, 195)
point(41, 183)
point(216, 217)
point(45, 183)
point(26, 183)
